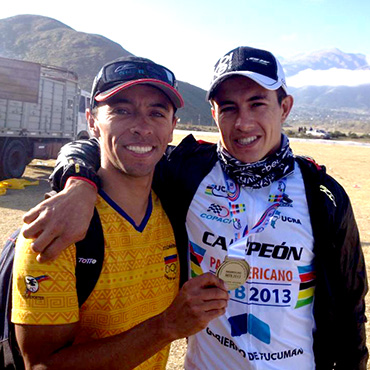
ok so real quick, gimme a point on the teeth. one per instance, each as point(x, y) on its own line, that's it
point(139, 149)
point(247, 140)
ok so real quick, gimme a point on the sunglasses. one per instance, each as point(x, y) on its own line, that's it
point(128, 71)
point(124, 71)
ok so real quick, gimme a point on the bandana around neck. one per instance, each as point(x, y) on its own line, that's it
point(262, 173)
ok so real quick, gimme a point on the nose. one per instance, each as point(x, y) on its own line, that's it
point(244, 121)
point(141, 126)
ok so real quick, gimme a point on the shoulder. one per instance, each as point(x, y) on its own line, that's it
point(321, 187)
point(313, 172)
point(190, 146)
point(25, 258)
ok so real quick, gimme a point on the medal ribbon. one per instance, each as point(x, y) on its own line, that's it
point(278, 197)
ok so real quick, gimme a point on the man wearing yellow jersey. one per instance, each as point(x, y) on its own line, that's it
point(136, 308)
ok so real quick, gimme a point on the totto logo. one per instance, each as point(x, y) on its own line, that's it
point(87, 261)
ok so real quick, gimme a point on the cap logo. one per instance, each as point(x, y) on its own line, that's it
point(223, 65)
point(258, 60)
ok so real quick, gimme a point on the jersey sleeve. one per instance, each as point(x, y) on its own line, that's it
point(44, 294)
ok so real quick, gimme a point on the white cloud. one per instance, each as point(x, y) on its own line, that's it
point(330, 77)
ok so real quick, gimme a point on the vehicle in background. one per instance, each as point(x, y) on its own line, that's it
point(318, 133)
point(39, 113)
point(82, 127)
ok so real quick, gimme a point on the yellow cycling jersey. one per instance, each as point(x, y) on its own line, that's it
point(139, 279)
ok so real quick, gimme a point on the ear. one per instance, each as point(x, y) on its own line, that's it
point(174, 122)
point(91, 121)
point(286, 106)
point(214, 115)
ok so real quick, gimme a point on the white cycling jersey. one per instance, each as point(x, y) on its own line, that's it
point(269, 320)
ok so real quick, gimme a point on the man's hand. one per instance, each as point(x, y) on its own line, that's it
point(61, 220)
point(199, 301)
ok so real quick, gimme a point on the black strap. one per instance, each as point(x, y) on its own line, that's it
point(89, 259)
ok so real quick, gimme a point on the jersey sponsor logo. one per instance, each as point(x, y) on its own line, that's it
point(259, 273)
point(254, 356)
point(33, 284)
point(280, 251)
point(278, 216)
point(237, 225)
point(218, 213)
point(277, 295)
point(221, 211)
point(250, 324)
point(231, 191)
point(328, 193)
point(215, 240)
point(273, 356)
point(276, 290)
point(236, 208)
point(216, 218)
point(264, 250)
point(227, 342)
point(291, 220)
point(88, 261)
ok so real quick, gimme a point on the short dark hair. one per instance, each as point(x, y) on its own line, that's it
point(281, 95)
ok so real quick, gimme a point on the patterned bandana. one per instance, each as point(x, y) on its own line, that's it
point(262, 173)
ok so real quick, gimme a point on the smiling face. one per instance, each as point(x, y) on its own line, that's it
point(134, 128)
point(249, 118)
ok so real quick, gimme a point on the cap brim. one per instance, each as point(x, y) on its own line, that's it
point(266, 82)
point(167, 89)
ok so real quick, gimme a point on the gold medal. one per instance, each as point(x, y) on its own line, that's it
point(234, 272)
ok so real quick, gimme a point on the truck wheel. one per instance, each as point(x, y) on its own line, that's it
point(13, 160)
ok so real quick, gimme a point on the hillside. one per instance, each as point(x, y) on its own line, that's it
point(48, 41)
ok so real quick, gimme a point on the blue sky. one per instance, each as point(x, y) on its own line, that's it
point(189, 36)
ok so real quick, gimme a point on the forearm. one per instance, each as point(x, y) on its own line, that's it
point(199, 301)
point(122, 351)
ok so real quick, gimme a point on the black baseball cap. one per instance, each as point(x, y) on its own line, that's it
point(259, 65)
point(125, 72)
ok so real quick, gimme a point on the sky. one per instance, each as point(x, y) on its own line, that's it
point(190, 36)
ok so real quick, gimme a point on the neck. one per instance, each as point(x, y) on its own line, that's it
point(128, 192)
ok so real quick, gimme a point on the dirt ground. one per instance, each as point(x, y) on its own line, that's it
point(350, 165)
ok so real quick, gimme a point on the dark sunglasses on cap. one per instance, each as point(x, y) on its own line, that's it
point(123, 71)
point(129, 69)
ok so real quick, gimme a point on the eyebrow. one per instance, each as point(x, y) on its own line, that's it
point(251, 99)
point(165, 106)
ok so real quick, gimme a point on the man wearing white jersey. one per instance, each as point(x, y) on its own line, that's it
point(276, 228)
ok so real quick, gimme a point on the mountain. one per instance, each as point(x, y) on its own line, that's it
point(324, 60)
point(334, 87)
point(48, 41)
point(197, 110)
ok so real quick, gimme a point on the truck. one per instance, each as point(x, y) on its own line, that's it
point(42, 108)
